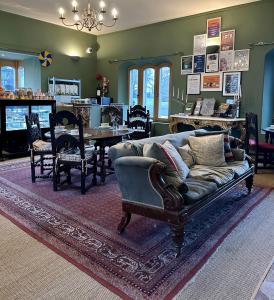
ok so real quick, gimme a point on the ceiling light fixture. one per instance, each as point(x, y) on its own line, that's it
point(90, 17)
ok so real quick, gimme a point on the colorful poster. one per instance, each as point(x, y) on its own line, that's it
point(211, 82)
point(227, 40)
point(198, 63)
point(186, 64)
point(226, 61)
point(214, 27)
point(212, 63)
point(241, 60)
point(231, 84)
point(199, 44)
point(193, 84)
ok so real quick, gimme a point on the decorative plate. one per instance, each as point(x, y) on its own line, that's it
point(45, 58)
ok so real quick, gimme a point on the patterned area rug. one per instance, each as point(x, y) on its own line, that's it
point(141, 263)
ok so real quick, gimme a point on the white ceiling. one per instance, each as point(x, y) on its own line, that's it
point(132, 13)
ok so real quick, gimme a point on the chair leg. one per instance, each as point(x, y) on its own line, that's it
point(177, 234)
point(42, 164)
point(54, 175)
point(68, 175)
point(124, 222)
point(94, 180)
point(83, 183)
point(32, 166)
point(249, 183)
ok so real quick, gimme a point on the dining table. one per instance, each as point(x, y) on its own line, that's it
point(269, 134)
point(102, 139)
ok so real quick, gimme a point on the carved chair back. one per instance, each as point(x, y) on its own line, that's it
point(252, 135)
point(33, 129)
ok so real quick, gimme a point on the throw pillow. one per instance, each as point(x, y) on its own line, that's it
point(187, 155)
point(161, 153)
point(208, 150)
point(180, 164)
point(228, 153)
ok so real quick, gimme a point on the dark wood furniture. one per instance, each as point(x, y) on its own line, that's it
point(44, 153)
point(13, 130)
point(69, 152)
point(262, 152)
point(175, 212)
point(138, 119)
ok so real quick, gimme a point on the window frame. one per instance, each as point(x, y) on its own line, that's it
point(156, 87)
point(16, 64)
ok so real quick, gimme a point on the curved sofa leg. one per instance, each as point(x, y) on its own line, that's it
point(177, 234)
point(249, 183)
point(124, 222)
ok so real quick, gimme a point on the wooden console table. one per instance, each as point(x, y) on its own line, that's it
point(201, 122)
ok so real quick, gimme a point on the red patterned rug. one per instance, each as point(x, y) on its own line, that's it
point(141, 263)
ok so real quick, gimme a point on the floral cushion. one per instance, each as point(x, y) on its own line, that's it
point(74, 154)
point(41, 146)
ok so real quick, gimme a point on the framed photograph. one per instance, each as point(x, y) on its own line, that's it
point(193, 84)
point(232, 84)
point(241, 60)
point(186, 65)
point(189, 108)
point(226, 61)
point(198, 107)
point(198, 63)
point(214, 27)
point(211, 82)
point(208, 107)
point(227, 40)
point(212, 63)
point(199, 44)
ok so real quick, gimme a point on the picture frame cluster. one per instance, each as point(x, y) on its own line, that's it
point(215, 65)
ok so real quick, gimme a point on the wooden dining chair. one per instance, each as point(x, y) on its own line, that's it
point(69, 152)
point(138, 119)
point(262, 152)
point(40, 151)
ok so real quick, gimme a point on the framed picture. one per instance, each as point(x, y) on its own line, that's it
point(226, 61)
point(211, 82)
point(227, 40)
point(232, 84)
point(193, 84)
point(212, 63)
point(189, 108)
point(214, 27)
point(241, 60)
point(186, 65)
point(208, 107)
point(198, 63)
point(198, 107)
point(199, 44)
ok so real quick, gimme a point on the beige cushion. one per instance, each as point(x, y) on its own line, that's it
point(74, 156)
point(208, 150)
point(41, 146)
point(187, 155)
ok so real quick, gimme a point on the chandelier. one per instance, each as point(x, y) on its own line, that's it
point(90, 17)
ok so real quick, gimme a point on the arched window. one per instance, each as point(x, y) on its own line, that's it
point(8, 78)
point(149, 86)
point(12, 74)
point(21, 77)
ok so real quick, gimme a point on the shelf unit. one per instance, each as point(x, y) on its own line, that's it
point(64, 90)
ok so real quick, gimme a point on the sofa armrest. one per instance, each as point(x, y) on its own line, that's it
point(141, 182)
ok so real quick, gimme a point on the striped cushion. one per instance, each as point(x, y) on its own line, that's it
point(74, 155)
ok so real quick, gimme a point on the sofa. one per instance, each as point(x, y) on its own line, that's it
point(148, 190)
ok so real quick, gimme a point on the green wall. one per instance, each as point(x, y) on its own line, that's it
point(253, 23)
point(32, 36)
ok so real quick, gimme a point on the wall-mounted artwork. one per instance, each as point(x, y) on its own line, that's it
point(211, 82)
point(193, 84)
point(226, 61)
point(212, 63)
point(214, 27)
point(241, 60)
point(208, 107)
point(227, 40)
point(199, 44)
point(198, 63)
point(186, 64)
point(232, 84)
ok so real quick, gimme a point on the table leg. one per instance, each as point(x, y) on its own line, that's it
point(103, 167)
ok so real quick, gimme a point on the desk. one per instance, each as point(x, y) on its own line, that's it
point(269, 135)
point(202, 121)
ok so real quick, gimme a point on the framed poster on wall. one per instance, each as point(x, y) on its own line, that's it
point(227, 40)
point(198, 63)
point(186, 65)
point(193, 84)
point(232, 84)
point(212, 63)
point(211, 82)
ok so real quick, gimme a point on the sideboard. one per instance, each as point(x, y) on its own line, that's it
point(203, 122)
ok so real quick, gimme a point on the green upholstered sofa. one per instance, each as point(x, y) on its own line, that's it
point(145, 191)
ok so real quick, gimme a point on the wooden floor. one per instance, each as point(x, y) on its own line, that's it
point(264, 178)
